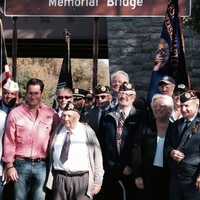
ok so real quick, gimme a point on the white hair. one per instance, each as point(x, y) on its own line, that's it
point(167, 100)
point(120, 72)
point(64, 89)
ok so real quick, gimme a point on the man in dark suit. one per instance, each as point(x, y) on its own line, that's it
point(103, 100)
point(183, 150)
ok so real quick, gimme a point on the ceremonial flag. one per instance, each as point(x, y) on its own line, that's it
point(169, 59)
point(65, 78)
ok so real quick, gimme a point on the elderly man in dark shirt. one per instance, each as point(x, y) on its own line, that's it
point(183, 150)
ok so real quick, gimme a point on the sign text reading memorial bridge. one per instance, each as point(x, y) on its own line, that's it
point(92, 7)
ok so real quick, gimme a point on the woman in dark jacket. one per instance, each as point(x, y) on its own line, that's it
point(151, 173)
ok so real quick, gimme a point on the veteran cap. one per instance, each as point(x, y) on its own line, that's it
point(71, 107)
point(11, 86)
point(180, 89)
point(89, 95)
point(100, 89)
point(126, 87)
point(79, 92)
point(167, 80)
point(188, 95)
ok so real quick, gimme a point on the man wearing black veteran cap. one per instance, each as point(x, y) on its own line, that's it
point(118, 128)
point(167, 85)
point(79, 101)
point(103, 98)
point(179, 89)
point(89, 100)
point(183, 150)
point(76, 159)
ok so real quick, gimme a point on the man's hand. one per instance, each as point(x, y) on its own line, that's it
point(198, 183)
point(96, 189)
point(177, 155)
point(139, 183)
point(11, 174)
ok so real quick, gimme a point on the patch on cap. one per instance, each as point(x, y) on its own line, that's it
point(126, 86)
point(76, 91)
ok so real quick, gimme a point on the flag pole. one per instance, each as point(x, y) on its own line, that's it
point(67, 41)
point(14, 49)
point(95, 51)
point(65, 77)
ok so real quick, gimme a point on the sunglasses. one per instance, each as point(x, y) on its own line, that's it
point(64, 97)
point(78, 98)
point(101, 97)
point(11, 93)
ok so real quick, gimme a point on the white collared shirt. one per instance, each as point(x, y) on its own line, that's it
point(78, 159)
point(60, 112)
point(158, 159)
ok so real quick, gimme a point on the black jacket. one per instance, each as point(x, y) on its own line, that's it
point(114, 162)
point(147, 150)
point(187, 142)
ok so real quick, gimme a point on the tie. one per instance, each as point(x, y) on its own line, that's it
point(65, 149)
point(185, 125)
point(184, 137)
point(120, 129)
point(120, 124)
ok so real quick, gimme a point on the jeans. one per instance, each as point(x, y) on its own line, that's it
point(32, 176)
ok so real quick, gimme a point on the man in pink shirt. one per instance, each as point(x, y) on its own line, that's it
point(26, 141)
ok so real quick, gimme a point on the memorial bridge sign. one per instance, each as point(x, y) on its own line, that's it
point(91, 8)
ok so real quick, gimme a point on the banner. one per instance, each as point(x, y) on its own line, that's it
point(170, 58)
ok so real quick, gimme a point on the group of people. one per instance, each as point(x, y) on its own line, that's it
point(102, 144)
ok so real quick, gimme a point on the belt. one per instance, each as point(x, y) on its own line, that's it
point(78, 173)
point(34, 160)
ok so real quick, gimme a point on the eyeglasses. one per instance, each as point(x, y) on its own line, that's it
point(101, 97)
point(64, 97)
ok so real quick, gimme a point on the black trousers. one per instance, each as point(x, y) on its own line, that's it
point(156, 184)
point(118, 188)
point(180, 190)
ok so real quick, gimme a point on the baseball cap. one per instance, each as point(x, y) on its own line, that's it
point(11, 85)
point(167, 80)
